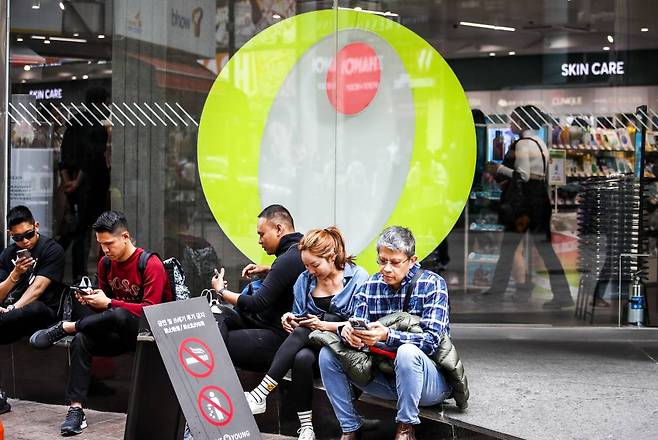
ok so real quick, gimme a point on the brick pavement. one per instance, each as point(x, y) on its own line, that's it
point(38, 421)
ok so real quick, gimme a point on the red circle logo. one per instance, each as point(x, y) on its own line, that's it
point(215, 405)
point(353, 78)
point(196, 357)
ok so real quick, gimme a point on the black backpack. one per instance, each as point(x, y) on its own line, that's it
point(172, 266)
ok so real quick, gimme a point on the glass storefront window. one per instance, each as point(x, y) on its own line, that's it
point(191, 116)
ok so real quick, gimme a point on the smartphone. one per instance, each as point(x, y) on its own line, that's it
point(300, 317)
point(23, 253)
point(358, 323)
point(80, 291)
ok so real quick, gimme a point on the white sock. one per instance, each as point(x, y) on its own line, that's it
point(263, 389)
point(305, 419)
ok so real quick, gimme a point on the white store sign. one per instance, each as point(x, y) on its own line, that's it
point(187, 25)
point(596, 69)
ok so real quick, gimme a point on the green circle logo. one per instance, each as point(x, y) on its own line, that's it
point(299, 116)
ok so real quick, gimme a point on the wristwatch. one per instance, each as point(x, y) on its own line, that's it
point(221, 292)
point(10, 307)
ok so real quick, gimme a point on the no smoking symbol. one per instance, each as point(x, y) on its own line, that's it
point(215, 405)
point(196, 357)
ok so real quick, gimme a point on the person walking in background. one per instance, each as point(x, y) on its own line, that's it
point(525, 169)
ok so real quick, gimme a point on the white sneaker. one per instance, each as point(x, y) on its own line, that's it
point(306, 433)
point(255, 406)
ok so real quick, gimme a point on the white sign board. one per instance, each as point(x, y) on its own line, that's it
point(32, 183)
point(556, 174)
point(187, 25)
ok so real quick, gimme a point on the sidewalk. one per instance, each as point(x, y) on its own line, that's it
point(559, 383)
point(31, 421)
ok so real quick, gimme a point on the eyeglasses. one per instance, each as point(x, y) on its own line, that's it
point(29, 235)
point(383, 262)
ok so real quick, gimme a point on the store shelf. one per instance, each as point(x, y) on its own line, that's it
point(592, 148)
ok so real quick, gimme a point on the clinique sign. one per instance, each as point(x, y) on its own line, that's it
point(596, 68)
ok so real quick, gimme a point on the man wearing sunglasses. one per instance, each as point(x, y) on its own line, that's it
point(400, 285)
point(31, 270)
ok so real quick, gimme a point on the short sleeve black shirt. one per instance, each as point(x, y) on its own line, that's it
point(49, 257)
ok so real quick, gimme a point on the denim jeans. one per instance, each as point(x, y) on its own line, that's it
point(417, 382)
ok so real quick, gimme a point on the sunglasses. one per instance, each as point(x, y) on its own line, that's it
point(29, 235)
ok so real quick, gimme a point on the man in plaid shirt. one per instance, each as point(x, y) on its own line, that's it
point(417, 381)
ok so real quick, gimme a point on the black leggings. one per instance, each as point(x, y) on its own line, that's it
point(251, 347)
point(296, 354)
point(109, 333)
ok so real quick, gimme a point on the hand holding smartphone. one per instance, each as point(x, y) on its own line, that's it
point(23, 253)
point(358, 323)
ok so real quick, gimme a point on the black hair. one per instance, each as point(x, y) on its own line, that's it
point(531, 116)
point(110, 221)
point(279, 213)
point(478, 116)
point(19, 214)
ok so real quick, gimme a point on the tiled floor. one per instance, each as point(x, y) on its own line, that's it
point(32, 421)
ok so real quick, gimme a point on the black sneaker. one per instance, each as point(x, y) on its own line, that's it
point(74, 422)
point(47, 337)
point(4, 405)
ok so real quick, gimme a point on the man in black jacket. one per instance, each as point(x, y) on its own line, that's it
point(252, 329)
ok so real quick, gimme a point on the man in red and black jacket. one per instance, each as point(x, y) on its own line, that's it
point(118, 303)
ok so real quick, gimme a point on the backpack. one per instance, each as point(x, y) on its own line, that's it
point(174, 269)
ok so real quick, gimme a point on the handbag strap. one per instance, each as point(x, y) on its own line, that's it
point(410, 289)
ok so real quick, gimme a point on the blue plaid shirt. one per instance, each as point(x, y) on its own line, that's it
point(429, 300)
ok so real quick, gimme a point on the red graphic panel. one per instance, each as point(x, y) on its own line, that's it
point(353, 78)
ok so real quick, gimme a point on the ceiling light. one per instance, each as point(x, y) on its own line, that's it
point(85, 76)
point(23, 81)
point(61, 6)
point(644, 30)
point(606, 48)
point(74, 77)
point(492, 54)
point(38, 37)
point(101, 36)
point(369, 11)
point(487, 26)
point(276, 16)
point(27, 67)
point(511, 52)
point(36, 4)
point(46, 41)
point(610, 39)
point(75, 34)
point(70, 40)
point(19, 39)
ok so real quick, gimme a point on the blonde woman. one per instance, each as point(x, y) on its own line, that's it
point(323, 295)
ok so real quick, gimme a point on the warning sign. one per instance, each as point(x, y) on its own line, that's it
point(215, 405)
point(200, 369)
point(196, 357)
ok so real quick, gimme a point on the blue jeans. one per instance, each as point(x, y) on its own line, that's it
point(417, 382)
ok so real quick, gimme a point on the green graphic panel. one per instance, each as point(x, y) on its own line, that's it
point(237, 108)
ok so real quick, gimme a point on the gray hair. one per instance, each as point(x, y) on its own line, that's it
point(397, 238)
